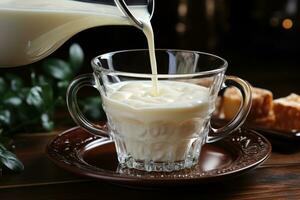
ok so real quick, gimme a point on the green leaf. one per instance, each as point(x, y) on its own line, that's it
point(2, 148)
point(91, 107)
point(62, 87)
point(34, 97)
point(10, 160)
point(47, 95)
point(76, 56)
point(13, 101)
point(63, 84)
point(43, 80)
point(47, 123)
point(5, 117)
point(3, 85)
point(16, 82)
point(57, 68)
point(11, 98)
point(23, 93)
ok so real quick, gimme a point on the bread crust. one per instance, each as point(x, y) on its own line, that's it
point(262, 103)
point(287, 113)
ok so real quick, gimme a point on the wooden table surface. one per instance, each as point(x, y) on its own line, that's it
point(277, 178)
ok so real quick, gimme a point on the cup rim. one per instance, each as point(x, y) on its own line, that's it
point(218, 70)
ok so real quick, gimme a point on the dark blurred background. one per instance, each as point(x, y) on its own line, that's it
point(259, 38)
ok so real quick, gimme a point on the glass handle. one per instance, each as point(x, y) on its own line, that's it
point(241, 115)
point(76, 114)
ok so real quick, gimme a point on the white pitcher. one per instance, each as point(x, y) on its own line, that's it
point(32, 29)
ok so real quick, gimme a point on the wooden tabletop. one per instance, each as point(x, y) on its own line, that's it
point(277, 178)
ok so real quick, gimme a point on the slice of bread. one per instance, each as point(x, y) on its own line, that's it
point(267, 122)
point(262, 103)
point(281, 114)
point(287, 113)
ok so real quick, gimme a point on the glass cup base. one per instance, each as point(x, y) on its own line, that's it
point(126, 161)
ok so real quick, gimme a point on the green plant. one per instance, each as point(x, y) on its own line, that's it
point(32, 107)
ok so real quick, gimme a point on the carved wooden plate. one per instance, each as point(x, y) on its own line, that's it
point(82, 153)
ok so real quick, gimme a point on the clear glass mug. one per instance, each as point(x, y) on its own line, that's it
point(169, 136)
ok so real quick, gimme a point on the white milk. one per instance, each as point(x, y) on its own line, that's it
point(148, 31)
point(32, 29)
point(157, 128)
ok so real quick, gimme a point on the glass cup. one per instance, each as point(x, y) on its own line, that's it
point(164, 132)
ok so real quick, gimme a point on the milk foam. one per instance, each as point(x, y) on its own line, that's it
point(157, 128)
